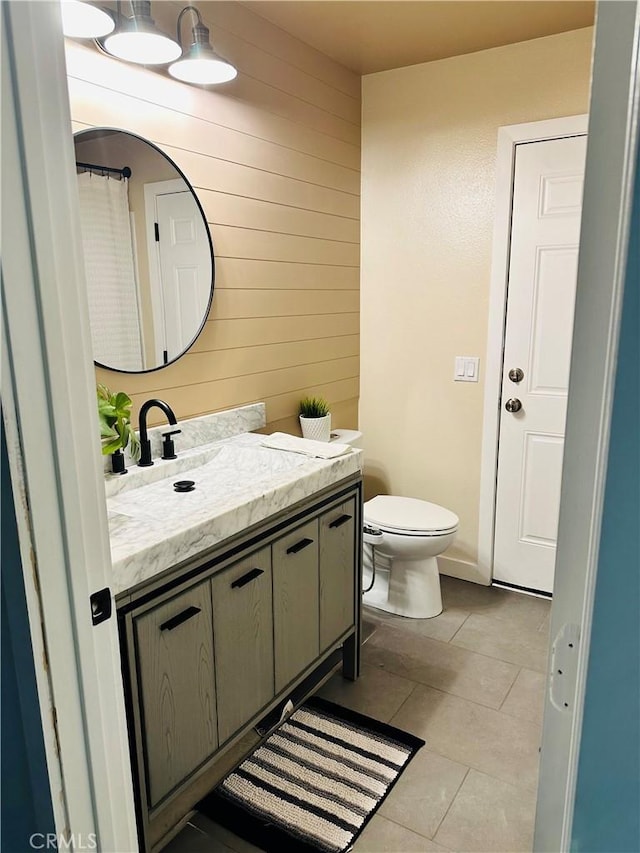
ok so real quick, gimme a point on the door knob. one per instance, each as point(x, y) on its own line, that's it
point(513, 404)
point(516, 374)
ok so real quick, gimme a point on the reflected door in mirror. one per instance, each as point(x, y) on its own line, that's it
point(181, 267)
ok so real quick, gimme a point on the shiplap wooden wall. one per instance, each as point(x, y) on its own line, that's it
point(274, 157)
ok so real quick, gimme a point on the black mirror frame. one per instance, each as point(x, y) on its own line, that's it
point(79, 133)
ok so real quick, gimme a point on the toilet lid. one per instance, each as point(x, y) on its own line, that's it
point(391, 511)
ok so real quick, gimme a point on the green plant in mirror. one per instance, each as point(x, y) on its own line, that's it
point(114, 413)
point(313, 407)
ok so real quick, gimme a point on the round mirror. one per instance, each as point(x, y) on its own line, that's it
point(147, 248)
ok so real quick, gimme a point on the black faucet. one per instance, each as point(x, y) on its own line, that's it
point(145, 444)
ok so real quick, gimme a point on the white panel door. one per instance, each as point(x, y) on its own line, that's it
point(185, 269)
point(545, 231)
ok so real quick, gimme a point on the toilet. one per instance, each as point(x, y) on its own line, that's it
point(402, 540)
point(404, 537)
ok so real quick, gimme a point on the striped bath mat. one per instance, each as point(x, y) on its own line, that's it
point(313, 784)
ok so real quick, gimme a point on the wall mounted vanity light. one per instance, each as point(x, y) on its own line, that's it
point(200, 64)
point(85, 20)
point(137, 38)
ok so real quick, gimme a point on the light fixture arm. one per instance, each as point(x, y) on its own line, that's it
point(140, 9)
point(199, 32)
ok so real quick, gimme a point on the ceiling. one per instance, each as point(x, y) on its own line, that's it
point(376, 35)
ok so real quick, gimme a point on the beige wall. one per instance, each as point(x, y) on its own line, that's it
point(274, 157)
point(428, 172)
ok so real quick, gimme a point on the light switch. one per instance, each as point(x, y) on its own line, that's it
point(467, 368)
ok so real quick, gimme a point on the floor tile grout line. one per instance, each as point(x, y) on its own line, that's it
point(408, 828)
point(503, 660)
point(445, 693)
point(471, 702)
point(466, 649)
point(498, 709)
point(453, 799)
point(395, 675)
point(452, 638)
point(400, 627)
point(506, 695)
point(448, 692)
point(492, 614)
point(455, 760)
point(533, 628)
point(397, 711)
point(484, 772)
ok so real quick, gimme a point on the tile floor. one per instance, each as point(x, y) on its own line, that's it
point(471, 683)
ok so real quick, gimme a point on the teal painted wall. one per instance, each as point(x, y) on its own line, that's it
point(607, 807)
point(26, 798)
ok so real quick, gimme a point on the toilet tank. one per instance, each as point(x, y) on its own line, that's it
point(352, 437)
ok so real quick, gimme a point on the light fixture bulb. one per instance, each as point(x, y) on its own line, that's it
point(143, 48)
point(82, 20)
point(205, 70)
point(138, 39)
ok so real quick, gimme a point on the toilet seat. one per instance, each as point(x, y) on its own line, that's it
point(409, 516)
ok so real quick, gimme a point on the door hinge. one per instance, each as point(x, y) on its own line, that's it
point(100, 605)
point(156, 231)
point(564, 668)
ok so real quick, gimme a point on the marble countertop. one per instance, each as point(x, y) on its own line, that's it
point(152, 527)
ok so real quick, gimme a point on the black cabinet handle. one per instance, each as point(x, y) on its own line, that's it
point(172, 623)
point(299, 546)
point(338, 522)
point(245, 579)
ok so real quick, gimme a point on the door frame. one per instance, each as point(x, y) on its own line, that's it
point(509, 137)
point(614, 139)
point(51, 422)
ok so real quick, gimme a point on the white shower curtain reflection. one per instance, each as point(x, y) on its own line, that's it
point(111, 282)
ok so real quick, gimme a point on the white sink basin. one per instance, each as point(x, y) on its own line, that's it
point(224, 473)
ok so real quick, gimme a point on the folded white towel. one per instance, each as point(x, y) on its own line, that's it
point(319, 449)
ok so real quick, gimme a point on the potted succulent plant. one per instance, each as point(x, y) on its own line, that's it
point(114, 413)
point(315, 418)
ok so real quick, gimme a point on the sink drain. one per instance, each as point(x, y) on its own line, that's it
point(184, 486)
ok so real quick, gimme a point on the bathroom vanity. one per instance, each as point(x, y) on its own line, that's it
point(235, 593)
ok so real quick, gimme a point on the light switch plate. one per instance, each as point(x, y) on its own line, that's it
point(467, 368)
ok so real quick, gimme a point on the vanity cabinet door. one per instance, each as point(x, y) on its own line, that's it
point(243, 640)
point(337, 572)
point(174, 645)
point(295, 602)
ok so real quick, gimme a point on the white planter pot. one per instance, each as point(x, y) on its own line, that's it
point(317, 429)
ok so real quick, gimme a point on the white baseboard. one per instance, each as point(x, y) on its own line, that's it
point(462, 569)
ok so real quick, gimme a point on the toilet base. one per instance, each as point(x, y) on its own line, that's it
point(409, 588)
